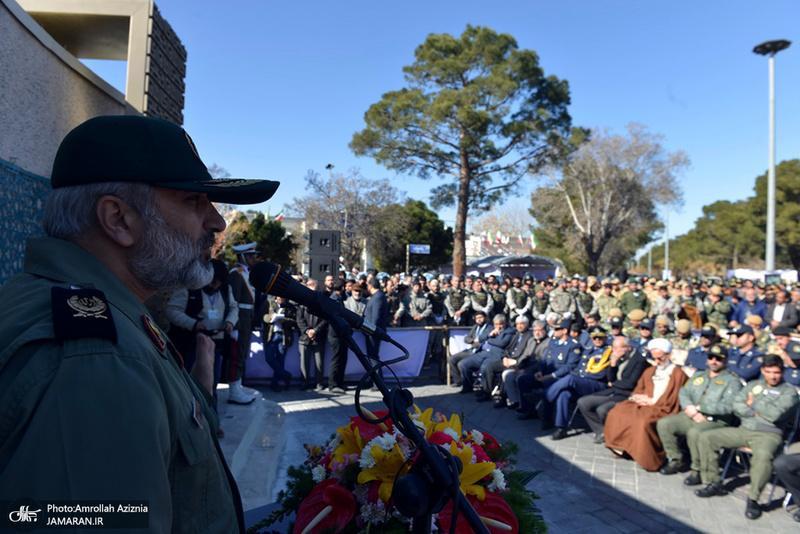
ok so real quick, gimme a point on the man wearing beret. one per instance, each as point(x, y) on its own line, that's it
point(707, 403)
point(95, 401)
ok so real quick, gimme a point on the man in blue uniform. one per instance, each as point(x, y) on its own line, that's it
point(745, 360)
point(590, 377)
point(563, 356)
point(697, 358)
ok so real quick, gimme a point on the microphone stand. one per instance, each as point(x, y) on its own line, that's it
point(430, 473)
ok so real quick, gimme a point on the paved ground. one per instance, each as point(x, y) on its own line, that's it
point(584, 488)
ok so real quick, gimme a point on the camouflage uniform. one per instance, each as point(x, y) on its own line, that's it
point(605, 303)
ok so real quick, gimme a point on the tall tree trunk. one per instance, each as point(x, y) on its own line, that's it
point(460, 231)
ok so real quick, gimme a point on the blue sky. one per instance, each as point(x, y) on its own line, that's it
point(277, 88)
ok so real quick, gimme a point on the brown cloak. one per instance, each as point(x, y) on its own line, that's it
point(632, 428)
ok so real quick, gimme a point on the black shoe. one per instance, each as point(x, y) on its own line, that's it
point(753, 510)
point(464, 391)
point(305, 386)
point(713, 489)
point(560, 433)
point(524, 416)
point(513, 406)
point(672, 467)
point(499, 403)
point(599, 439)
point(276, 388)
point(287, 380)
point(693, 479)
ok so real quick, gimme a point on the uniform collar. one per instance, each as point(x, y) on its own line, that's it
point(67, 263)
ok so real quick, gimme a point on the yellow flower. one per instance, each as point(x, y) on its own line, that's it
point(472, 472)
point(352, 443)
point(388, 466)
point(433, 424)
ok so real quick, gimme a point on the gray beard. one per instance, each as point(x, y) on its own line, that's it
point(168, 259)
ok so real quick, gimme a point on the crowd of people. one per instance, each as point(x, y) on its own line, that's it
point(648, 364)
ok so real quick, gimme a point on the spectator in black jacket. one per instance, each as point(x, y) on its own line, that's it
point(377, 313)
point(338, 345)
point(311, 342)
point(624, 371)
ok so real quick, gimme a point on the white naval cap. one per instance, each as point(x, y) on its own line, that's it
point(249, 248)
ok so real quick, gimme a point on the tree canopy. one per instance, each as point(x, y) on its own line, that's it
point(732, 235)
point(350, 203)
point(271, 238)
point(411, 223)
point(600, 206)
point(478, 112)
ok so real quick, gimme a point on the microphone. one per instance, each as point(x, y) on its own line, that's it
point(269, 278)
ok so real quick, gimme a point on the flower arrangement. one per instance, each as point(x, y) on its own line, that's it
point(346, 485)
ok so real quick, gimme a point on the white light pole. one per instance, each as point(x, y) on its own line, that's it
point(771, 48)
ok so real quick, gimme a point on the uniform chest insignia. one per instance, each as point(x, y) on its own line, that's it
point(81, 313)
point(154, 332)
point(719, 382)
point(697, 381)
point(796, 349)
point(760, 359)
point(560, 356)
point(757, 390)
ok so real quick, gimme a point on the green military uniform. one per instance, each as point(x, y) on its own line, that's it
point(457, 299)
point(634, 301)
point(539, 305)
point(519, 303)
point(761, 429)
point(631, 332)
point(763, 341)
point(713, 397)
point(95, 406)
point(586, 303)
point(562, 302)
point(605, 303)
point(683, 343)
point(499, 299)
point(717, 314)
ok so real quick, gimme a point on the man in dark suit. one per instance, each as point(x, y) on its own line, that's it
point(473, 339)
point(495, 343)
point(521, 347)
point(377, 313)
point(782, 312)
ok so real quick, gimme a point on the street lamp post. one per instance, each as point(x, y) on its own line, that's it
point(770, 48)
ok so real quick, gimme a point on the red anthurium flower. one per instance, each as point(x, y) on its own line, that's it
point(490, 443)
point(493, 508)
point(369, 431)
point(329, 505)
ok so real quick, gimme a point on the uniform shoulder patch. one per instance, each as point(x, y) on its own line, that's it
point(80, 313)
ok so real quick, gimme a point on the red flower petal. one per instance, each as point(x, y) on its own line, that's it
point(326, 493)
point(368, 431)
point(493, 507)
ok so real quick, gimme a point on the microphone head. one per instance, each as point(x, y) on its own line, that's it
point(262, 275)
point(267, 277)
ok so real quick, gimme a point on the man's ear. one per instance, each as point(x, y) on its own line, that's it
point(119, 221)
